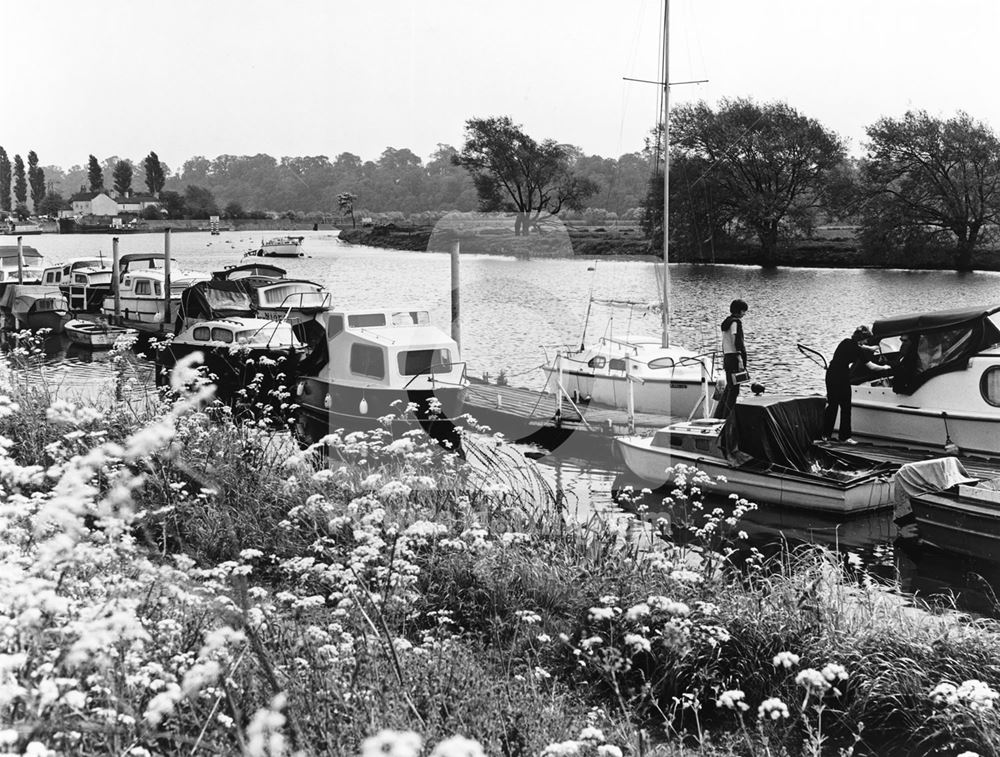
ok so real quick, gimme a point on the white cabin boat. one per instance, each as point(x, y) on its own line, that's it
point(141, 292)
point(765, 452)
point(945, 385)
point(371, 358)
point(32, 265)
point(84, 281)
point(279, 247)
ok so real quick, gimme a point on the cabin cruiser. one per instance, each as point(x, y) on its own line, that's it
point(237, 351)
point(84, 281)
point(637, 374)
point(944, 389)
point(34, 307)
point(372, 362)
point(30, 269)
point(253, 292)
point(140, 290)
point(765, 453)
point(279, 247)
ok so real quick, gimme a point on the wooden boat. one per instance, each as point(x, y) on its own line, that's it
point(279, 247)
point(372, 362)
point(944, 391)
point(95, 335)
point(765, 452)
point(953, 511)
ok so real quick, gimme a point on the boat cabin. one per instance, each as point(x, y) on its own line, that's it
point(236, 333)
point(62, 274)
point(289, 299)
point(31, 264)
point(251, 273)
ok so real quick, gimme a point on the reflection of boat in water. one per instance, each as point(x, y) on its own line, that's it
point(279, 247)
point(945, 386)
point(765, 452)
point(365, 360)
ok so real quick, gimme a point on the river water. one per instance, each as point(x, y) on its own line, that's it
point(515, 310)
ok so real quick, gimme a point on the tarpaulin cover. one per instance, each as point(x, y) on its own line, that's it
point(774, 429)
point(941, 319)
point(216, 299)
point(925, 476)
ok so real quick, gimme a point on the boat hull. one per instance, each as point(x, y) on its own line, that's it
point(865, 494)
point(94, 336)
point(958, 524)
point(655, 396)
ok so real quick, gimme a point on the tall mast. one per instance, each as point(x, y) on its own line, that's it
point(666, 172)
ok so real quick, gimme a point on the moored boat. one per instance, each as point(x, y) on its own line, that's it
point(279, 247)
point(34, 307)
point(97, 335)
point(30, 269)
point(765, 453)
point(141, 292)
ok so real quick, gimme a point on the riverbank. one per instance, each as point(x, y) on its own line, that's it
point(829, 248)
point(171, 579)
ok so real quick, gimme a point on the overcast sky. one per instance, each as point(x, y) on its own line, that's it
point(321, 77)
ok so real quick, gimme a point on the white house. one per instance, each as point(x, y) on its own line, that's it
point(94, 203)
point(137, 203)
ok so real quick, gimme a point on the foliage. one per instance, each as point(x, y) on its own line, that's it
point(513, 172)
point(233, 210)
point(122, 176)
point(20, 182)
point(36, 180)
point(345, 203)
point(173, 204)
point(52, 203)
point(5, 179)
point(932, 181)
point(95, 176)
point(767, 163)
point(199, 202)
point(155, 174)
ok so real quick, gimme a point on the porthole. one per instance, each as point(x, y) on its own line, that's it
point(989, 385)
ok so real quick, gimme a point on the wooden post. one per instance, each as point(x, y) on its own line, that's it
point(456, 309)
point(20, 261)
point(166, 279)
point(116, 284)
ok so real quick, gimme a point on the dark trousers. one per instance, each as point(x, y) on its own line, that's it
point(838, 397)
point(731, 364)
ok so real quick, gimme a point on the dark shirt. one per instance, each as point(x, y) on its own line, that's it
point(847, 353)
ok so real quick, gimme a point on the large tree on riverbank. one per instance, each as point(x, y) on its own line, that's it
point(767, 163)
point(5, 177)
point(514, 173)
point(928, 181)
point(94, 174)
point(36, 180)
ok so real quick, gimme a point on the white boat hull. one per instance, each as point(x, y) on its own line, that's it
point(650, 464)
point(657, 396)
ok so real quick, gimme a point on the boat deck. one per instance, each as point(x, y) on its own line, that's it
point(978, 467)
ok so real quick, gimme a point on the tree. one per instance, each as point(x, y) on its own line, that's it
point(20, 182)
point(513, 172)
point(345, 201)
point(95, 175)
point(200, 202)
point(173, 204)
point(156, 175)
point(925, 180)
point(51, 204)
point(5, 177)
point(122, 176)
point(36, 180)
point(768, 163)
point(233, 210)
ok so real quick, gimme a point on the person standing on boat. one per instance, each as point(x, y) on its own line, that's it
point(838, 380)
point(734, 356)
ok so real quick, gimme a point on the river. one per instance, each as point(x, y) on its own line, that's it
point(514, 310)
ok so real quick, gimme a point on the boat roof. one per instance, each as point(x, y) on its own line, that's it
point(409, 337)
point(941, 319)
point(9, 251)
point(242, 322)
point(257, 269)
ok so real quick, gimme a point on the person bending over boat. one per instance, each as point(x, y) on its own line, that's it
point(838, 380)
point(734, 356)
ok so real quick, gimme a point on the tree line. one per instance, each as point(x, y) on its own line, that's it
point(742, 172)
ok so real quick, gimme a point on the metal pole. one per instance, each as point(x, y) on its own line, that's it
point(456, 309)
point(116, 284)
point(20, 261)
point(166, 277)
point(666, 172)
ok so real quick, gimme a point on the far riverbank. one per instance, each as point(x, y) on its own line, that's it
point(829, 248)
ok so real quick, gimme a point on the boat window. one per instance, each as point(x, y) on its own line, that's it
point(367, 361)
point(66, 269)
point(142, 287)
point(676, 440)
point(158, 287)
point(616, 364)
point(366, 319)
point(662, 362)
point(222, 335)
point(80, 278)
point(597, 362)
point(416, 362)
point(703, 444)
point(334, 325)
point(202, 334)
point(410, 318)
point(989, 385)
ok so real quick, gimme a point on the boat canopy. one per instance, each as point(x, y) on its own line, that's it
point(253, 271)
point(777, 429)
point(8, 255)
point(935, 343)
point(22, 299)
point(216, 299)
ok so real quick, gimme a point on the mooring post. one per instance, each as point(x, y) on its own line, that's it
point(456, 309)
point(20, 261)
point(166, 279)
point(116, 284)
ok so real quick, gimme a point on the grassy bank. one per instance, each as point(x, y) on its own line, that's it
point(174, 582)
point(833, 248)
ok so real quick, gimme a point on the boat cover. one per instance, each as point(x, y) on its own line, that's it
point(776, 429)
point(937, 343)
point(216, 299)
point(19, 299)
point(262, 271)
point(925, 476)
point(29, 255)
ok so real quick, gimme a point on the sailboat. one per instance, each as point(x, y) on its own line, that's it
point(641, 374)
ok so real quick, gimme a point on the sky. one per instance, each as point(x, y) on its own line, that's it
point(322, 77)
